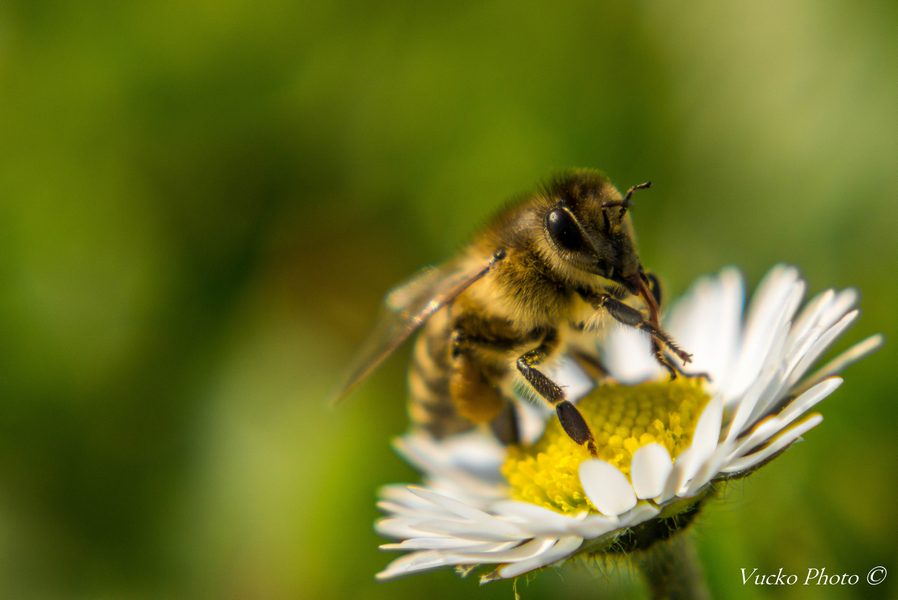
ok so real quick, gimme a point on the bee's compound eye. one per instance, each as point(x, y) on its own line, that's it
point(563, 230)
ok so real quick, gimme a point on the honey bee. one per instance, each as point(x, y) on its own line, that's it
point(516, 297)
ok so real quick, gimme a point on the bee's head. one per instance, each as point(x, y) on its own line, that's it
point(588, 228)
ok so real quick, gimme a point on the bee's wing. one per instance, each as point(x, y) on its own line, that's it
point(407, 307)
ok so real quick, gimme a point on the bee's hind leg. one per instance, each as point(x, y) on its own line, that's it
point(506, 426)
point(571, 420)
point(575, 425)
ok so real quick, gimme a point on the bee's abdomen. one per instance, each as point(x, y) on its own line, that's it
point(430, 405)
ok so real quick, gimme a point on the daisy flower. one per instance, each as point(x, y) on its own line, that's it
point(662, 445)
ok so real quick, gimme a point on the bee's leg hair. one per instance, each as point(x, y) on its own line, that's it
point(571, 420)
point(527, 362)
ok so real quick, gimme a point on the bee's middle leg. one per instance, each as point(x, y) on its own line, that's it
point(571, 420)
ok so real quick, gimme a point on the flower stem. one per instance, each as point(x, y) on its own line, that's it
point(672, 570)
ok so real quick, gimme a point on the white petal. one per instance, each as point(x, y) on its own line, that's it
point(836, 365)
point(536, 520)
point(704, 443)
point(706, 322)
point(749, 461)
point(532, 420)
point(412, 504)
point(771, 426)
point(403, 510)
point(607, 488)
point(569, 375)
point(494, 530)
point(677, 478)
point(529, 549)
point(640, 513)
point(811, 316)
point(594, 526)
point(817, 319)
point(539, 521)
point(843, 302)
point(465, 511)
point(399, 528)
point(649, 470)
point(808, 399)
point(412, 563)
point(745, 406)
point(449, 543)
point(692, 317)
point(468, 463)
point(430, 559)
point(562, 549)
point(708, 471)
point(773, 305)
point(401, 494)
point(627, 354)
point(707, 430)
point(822, 343)
point(773, 374)
point(469, 449)
point(727, 334)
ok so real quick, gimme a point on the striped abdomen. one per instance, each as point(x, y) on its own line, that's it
point(430, 405)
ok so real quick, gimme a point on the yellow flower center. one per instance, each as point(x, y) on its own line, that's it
point(623, 418)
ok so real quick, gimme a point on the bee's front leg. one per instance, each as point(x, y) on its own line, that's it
point(628, 315)
point(658, 353)
point(571, 420)
point(666, 361)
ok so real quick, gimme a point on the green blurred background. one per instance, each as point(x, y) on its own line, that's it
point(202, 202)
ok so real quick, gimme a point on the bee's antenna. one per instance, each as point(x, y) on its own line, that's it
point(625, 203)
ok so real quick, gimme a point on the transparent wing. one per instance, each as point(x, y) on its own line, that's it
point(407, 307)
